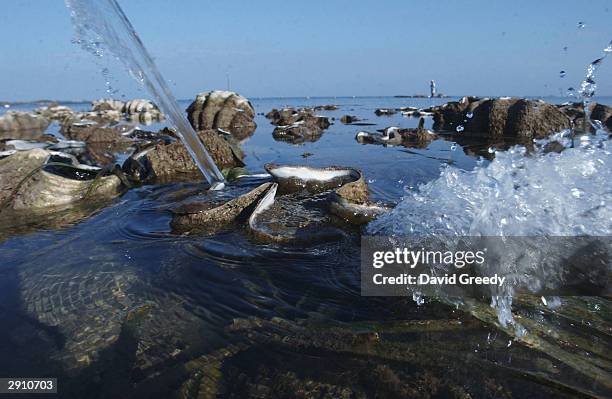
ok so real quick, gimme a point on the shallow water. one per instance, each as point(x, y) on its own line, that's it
point(117, 305)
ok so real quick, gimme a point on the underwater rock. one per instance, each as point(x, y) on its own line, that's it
point(223, 110)
point(172, 162)
point(214, 215)
point(15, 121)
point(40, 179)
point(502, 117)
point(347, 119)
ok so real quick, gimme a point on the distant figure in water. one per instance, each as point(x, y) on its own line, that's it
point(432, 87)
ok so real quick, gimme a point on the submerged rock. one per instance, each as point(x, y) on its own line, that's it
point(41, 179)
point(502, 117)
point(15, 121)
point(214, 215)
point(172, 162)
point(223, 110)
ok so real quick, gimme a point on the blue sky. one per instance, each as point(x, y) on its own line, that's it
point(317, 48)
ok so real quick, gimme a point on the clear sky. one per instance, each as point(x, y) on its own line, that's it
point(318, 48)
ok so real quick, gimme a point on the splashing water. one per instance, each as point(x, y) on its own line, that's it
point(101, 27)
point(589, 86)
point(517, 194)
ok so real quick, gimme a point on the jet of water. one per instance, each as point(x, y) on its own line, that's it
point(100, 27)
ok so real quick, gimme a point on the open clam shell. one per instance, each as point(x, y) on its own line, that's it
point(49, 183)
point(216, 214)
point(355, 213)
point(292, 219)
point(294, 178)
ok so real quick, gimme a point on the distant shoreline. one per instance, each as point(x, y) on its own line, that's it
point(415, 96)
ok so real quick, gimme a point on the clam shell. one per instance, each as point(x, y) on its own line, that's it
point(292, 219)
point(54, 186)
point(353, 213)
point(294, 178)
point(213, 215)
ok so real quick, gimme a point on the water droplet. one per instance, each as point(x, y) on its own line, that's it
point(576, 193)
point(460, 128)
point(564, 48)
point(571, 92)
point(562, 74)
point(609, 48)
point(581, 25)
point(469, 115)
point(492, 150)
point(453, 147)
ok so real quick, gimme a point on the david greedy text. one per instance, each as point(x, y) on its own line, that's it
point(410, 258)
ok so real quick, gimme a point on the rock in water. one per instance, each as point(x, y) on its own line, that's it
point(26, 184)
point(599, 112)
point(108, 104)
point(142, 110)
point(347, 119)
point(15, 121)
point(55, 112)
point(503, 117)
point(224, 110)
point(297, 126)
point(172, 162)
point(214, 215)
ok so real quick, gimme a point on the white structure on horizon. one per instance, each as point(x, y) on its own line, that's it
point(432, 88)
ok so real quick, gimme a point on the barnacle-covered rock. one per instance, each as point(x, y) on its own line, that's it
point(107, 104)
point(501, 117)
point(144, 111)
point(224, 110)
point(55, 112)
point(172, 162)
point(16, 122)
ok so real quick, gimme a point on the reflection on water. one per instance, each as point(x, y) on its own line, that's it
point(118, 305)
